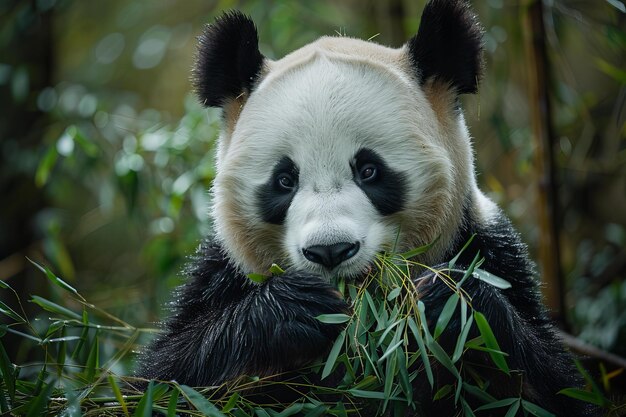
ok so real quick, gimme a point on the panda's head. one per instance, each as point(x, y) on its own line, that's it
point(343, 148)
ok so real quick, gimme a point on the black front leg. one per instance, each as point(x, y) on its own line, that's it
point(540, 365)
point(224, 326)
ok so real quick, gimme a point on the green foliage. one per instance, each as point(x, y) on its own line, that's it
point(385, 346)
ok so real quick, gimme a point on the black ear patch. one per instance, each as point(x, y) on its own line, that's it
point(448, 45)
point(228, 61)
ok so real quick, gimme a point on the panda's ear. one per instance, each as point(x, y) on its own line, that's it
point(448, 45)
point(228, 62)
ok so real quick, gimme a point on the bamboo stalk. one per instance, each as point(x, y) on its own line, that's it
point(543, 136)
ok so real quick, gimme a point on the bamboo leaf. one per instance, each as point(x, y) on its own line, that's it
point(403, 372)
point(512, 412)
point(45, 167)
point(118, 394)
point(469, 271)
point(260, 412)
point(6, 367)
point(491, 279)
point(579, 394)
point(442, 357)
point(418, 251)
point(258, 278)
point(390, 350)
point(73, 405)
point(62, 353)
point(442, 392)
point(478, 393)
point(200, 403)
point(293, 409)
point(53, 307)
point(39, 403)
point(460, 342)
point(490, 341)
point(453, 261)
point(446, 314)
point(172, 404)
point(334, 353)
point(498, 404)
point(55, 280)
point(467, 410)
point(144, 408)
point(333, 318)
point(318, 411)
point(83, 335)
point(231, 403)
point(393, 294)
point(9, 312)
point(93, 360)
point(422, 348)
point(388, 330)
point(276, 270)
point(375, 395)
point(536, 410)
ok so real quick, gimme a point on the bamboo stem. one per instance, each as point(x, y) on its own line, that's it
point(543, 136)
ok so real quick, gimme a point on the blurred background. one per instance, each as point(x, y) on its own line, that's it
point(106, 158)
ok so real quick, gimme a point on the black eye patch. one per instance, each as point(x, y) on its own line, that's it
point(385, 187)
point(274, 197)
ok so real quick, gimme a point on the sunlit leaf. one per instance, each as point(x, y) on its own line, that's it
point(258, 278)
point(491, 279)
point(276, 270)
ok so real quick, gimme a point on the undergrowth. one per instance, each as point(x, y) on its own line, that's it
point(386, 344)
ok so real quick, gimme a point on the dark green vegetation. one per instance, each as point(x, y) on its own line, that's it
point(386, 344)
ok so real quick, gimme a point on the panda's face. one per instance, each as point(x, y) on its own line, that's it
point(331, 160)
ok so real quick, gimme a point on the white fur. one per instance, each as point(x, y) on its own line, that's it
point(319, 106)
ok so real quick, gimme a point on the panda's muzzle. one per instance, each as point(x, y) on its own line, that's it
point(331, 255)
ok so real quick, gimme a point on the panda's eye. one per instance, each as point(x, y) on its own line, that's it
point(285, 181)
point(368, 173)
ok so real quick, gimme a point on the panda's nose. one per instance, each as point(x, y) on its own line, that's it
point(331, 255)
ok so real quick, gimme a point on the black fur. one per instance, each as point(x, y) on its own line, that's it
point(448, 45)
point(273, 200)
point(540, 365)
point(387, 190)
point(224, 326)
point(228, 62)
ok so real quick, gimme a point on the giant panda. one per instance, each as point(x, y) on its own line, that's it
point(336, 152)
